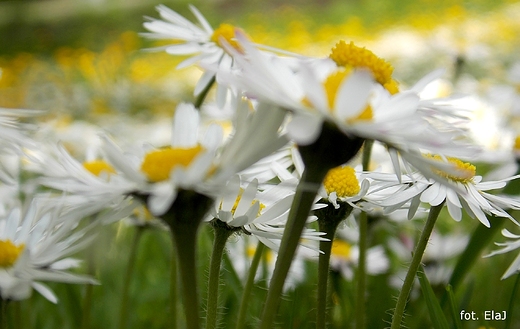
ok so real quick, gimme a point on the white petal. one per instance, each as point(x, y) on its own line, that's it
point(45, 292)
point(185, 126)
point(304, 129)
point(352, 95)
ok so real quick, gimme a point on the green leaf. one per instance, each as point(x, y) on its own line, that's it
point(454, 312)
point(434, 308)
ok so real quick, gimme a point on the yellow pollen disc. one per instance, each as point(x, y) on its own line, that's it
point(343, 181)
point(340, 249)
point(517, 143)
point(96, 167)
point(350, 55)
point(158, 164)
point(467, 170)
point(227, 31)
point(392, 86)
point(332, 84)
point(9, 253)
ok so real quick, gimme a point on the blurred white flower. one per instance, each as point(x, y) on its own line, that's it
point(34, 246)
point(261, 213)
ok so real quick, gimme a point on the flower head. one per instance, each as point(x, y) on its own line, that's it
point(204, 43)
point(35, 247)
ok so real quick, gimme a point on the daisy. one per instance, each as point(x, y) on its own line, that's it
point(34, 247)
point(262, 214)
point(439, 257)
point(13, 136)
point(344, 258)
point(196, 159)
point(93, 183)
point(354, 98)
point(202, 42)
point(342, 185)
point(466, 191)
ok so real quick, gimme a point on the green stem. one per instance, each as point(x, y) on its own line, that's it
point(185, 239)
point(301, 206)
point(18, 315)
point(3, 314)
point(202, 96)
point(363, 246)
point(173, 290)
point(414, 266)
point(512, 303)
point(222, 233)
point(123, 313)
point(249, 285)
point(184, 218)
point(362, 272)
point(329, 228)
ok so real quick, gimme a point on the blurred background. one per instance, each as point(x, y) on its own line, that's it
point(83, 58)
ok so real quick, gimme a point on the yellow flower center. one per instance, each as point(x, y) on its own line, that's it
point(9, 253)
point(343, 181)
point(350, 55)
point(227, 31)
point(96, 167)
point(516, 147)
point(467, 170)
point(341, 249)
point(158, 164)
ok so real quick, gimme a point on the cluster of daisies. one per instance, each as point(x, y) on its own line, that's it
point(279, 104)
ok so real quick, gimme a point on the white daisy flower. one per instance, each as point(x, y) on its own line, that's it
point(260, 213)
point(94, 184)
point(351, 97)
point(159, 173)
point(342, 184)
point(466, 191)
point(439, 257)
point(34, 247)
point(202, 42)
point(344, 258)
point(13, 136)
point(196, 162)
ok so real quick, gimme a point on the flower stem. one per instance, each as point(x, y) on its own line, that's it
point(363, 246)
point(202, 96)
point(18, 315)
point(414, 265)
point(184, 218)
point(249, 285)
point(222, 233)
point(301, 206)
point(173, 289)
point(123, 313)
point(3, 314)
point(362, 271)
point(329, 228)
